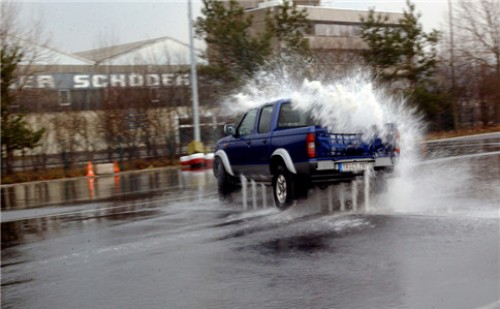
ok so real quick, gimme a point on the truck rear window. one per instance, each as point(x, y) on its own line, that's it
point(290, 117)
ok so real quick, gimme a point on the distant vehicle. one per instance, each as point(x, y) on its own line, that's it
point(280, 145)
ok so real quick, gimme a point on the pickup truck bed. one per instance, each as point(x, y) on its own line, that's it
point(280, 145)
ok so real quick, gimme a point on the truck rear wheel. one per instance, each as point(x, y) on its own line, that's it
point(283, 188)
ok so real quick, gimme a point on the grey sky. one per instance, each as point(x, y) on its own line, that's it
point(76, 26)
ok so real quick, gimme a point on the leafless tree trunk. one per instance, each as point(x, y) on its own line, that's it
point(478, 44)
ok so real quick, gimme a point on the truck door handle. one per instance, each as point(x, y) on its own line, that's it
point(264, 141)
point(249, 142)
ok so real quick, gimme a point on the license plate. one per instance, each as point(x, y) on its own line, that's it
point(354, 166)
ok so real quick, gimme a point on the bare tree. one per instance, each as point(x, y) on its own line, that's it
point(71, 134)
point(478, 50)
point(21, 49)
point(478, 27)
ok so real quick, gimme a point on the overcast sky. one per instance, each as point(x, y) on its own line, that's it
point(82, 25)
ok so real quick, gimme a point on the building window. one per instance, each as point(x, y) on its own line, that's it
point(337, 30)
point(154, 94)
point(356, 30)
point(64, 97)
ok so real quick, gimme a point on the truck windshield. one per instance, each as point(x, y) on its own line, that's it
point(290, 117)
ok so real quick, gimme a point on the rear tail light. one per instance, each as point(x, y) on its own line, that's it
point(311, 145)
point(396, 141)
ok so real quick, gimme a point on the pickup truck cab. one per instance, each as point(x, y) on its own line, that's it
point(281, 145)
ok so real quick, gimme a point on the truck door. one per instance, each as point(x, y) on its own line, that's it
point(238, 151)
point(260, 144)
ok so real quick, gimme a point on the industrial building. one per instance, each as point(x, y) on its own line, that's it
point(335, 38)
point(130, 100)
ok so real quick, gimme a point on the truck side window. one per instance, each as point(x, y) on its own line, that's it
point(289, 117)
point(292, 118)
point(265, 119)
point(248, 122)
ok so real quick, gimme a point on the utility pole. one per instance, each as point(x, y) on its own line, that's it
point(194, 79)
point(456, 116)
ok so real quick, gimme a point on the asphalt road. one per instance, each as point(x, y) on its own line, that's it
point(161, 239)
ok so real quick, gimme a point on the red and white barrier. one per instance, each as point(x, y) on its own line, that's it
point(197, 160)
point(185, 160)
point(209, 160)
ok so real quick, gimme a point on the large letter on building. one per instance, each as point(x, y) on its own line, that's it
point(167, 79)
point(99, 81)
point(135, 80)
point(81, 81)
point(152, 80)
point(45, 81)
point(118, 80)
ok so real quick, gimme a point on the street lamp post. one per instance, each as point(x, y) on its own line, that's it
point(194, 79)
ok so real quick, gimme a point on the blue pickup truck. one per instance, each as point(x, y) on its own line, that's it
point(280, 145)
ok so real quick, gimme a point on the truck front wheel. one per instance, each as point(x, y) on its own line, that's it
point(225, 183)
point(283, 188)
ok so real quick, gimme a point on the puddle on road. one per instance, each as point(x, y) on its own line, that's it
point(125, 186)
point(309, 244)
point(30, 230)
point(315, 234)
point(465, 188)
point(134, 197)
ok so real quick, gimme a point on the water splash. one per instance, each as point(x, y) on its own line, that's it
point(355, 103)
point(348, 104)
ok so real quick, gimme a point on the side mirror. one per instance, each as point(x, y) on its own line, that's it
point(229, 129)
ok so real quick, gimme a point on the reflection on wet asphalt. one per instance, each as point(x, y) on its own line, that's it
point(126, 186)
point(463, 146)
point(431, 241)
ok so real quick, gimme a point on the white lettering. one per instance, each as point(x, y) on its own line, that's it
point(135, 80)
point(118, 80)
point(152, 80)
point(81, 81)
point(167, 79)
point(45, 81)
point(86, 81)
point(100, 81)
point(182, 80)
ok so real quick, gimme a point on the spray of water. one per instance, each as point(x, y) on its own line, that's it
point(355, 103)
point(349, 104)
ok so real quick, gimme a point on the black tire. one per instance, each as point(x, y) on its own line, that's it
point(283, 188)
point(225, 183)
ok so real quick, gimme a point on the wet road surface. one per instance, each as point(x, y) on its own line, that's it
point(161, 239)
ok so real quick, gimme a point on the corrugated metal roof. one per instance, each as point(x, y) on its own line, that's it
point(35, 54)
point(159, 51)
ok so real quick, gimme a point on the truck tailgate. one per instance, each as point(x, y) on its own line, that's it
point(341, 145)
